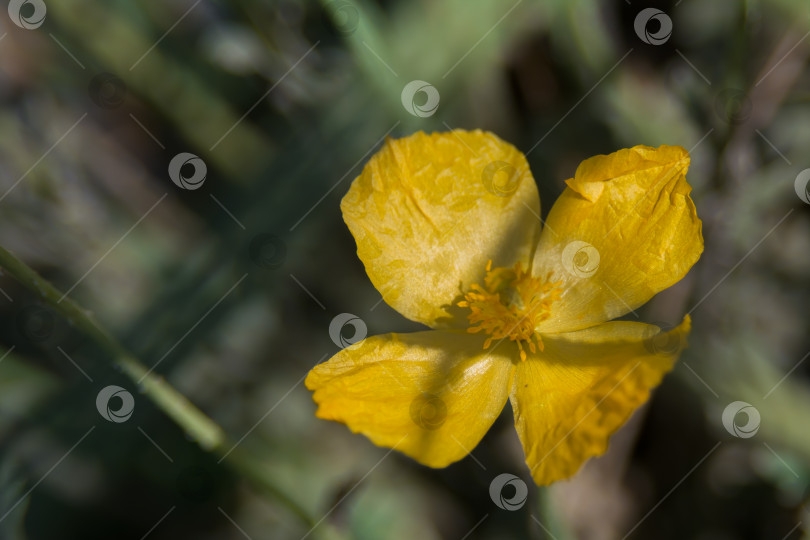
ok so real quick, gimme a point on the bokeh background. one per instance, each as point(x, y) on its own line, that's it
point(228, 290)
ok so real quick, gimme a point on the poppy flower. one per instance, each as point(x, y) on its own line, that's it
point(448, 228)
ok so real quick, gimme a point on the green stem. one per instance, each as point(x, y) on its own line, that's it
point(205, 431)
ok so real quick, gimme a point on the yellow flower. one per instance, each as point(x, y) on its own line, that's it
point(448, 228)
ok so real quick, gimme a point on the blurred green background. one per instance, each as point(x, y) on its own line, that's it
point(229, 289)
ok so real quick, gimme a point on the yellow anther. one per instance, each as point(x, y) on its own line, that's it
point(511, 304)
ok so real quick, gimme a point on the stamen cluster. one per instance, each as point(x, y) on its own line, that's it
point(511, 304)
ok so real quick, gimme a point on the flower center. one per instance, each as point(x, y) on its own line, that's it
point(511, 304)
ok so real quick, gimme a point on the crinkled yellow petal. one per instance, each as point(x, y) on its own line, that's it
point(431, 395)
point(569, 398)
point(623, 230)
point(429, 211)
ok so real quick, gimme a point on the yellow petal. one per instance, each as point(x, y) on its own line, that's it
point(429, 211)
point(571, 397)
point(431, 395)
point(623, 230)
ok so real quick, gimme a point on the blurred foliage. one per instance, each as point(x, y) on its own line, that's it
point(229, 289)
